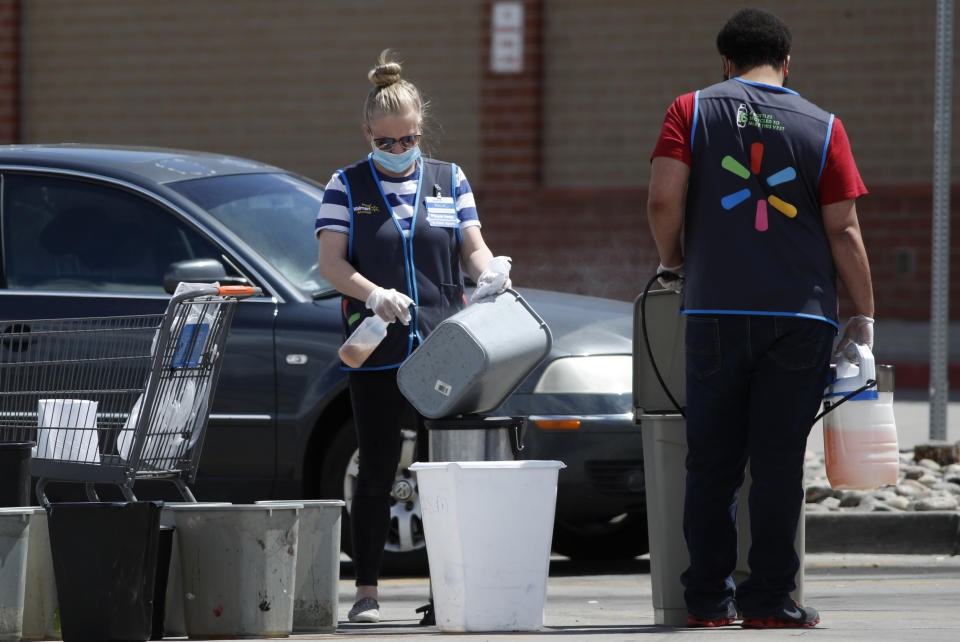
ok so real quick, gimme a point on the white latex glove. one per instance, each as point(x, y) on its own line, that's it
point(390, 305)
point(859, 330)
point(493, 280)
point(671, 284)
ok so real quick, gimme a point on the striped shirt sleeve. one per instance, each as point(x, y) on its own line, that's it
point(466, 207)
point(334, 214)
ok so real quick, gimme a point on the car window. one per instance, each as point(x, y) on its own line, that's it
point(272, 213)
point(76, 235)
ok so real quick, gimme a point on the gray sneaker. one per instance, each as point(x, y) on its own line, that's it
point(365, 610)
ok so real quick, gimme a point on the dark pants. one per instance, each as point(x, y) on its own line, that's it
point(754, 385)
point(380, 412)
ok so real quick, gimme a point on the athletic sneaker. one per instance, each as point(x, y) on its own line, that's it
point(790, 615)
point(714, 619)
point(365, 610)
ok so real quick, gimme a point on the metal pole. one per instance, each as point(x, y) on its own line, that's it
point(940, 267)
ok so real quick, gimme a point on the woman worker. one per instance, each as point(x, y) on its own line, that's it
point(395, 231)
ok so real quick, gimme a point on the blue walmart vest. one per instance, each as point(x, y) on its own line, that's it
point(424, 265)
point(754, 240)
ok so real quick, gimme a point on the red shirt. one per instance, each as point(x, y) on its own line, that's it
point(839, 181)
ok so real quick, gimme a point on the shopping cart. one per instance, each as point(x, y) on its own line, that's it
point(116, 399)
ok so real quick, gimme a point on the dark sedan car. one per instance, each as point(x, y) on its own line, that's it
point(99, 231)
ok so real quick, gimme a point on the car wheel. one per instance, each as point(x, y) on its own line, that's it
point(405, 552)
point(623, 537)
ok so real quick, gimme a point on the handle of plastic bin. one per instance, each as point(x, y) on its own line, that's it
point(537, 317)
point(239, 291)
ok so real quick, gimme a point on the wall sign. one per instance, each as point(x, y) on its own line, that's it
point(506, 41)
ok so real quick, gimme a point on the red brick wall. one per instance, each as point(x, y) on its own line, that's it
point(9, 71)
point(899, 218)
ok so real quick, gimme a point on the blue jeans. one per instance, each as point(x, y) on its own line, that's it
point(754, 385)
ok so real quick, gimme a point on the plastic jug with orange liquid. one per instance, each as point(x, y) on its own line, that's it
point(859, 434)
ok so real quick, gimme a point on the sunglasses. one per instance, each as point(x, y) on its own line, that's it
point(407, 142)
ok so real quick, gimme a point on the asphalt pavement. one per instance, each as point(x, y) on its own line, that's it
point(881, 590)
point(859, 597)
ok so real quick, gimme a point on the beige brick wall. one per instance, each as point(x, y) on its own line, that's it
point(282, 80)
point(614, 66)
point(279, 80)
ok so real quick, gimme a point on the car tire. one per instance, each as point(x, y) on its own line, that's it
point(339, 466)
point(623, 537)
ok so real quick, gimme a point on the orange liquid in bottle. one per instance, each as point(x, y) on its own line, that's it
point(860, 445)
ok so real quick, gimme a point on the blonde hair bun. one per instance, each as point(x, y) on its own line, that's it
point(387, 72)
point(391, 93)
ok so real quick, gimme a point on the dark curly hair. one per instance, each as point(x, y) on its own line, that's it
point(753, 37)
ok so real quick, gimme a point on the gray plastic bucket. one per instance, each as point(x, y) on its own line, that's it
point(14, 537)
point(238, 567)
point(664, 457)
point(317, 588)
point(476, 358)
point(173, 625)
point(40, 617)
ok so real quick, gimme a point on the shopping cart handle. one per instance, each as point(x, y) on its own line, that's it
point(239, 291)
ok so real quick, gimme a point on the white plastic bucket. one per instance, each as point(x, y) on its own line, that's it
point(67, 430)
point(238, 566)
point(488, 527)
point(40, 618)
point(173, 625)
point(317, 588)
point(14, 534)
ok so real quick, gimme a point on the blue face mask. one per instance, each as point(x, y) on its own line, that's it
point(395, 163)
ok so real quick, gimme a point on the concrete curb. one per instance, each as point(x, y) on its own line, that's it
point(933, 532)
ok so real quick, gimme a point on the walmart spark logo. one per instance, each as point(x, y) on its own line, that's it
point(785, 175)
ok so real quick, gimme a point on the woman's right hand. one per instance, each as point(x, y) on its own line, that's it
point(390, 305)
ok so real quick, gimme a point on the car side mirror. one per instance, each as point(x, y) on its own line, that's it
point(194, 271)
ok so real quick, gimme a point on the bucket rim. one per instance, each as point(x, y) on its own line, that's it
point(306, 503)
point(489, 465)
point(17, 445)
point(238, 507)
point(21, 510)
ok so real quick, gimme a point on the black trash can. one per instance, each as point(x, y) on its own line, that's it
point(164, 553)
point(15, 459)
point(105, 564)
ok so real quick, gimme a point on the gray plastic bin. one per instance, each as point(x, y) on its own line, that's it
point(41, 619)
point(476, 358)
point(666, 328)
point(173, 621)
point(14, 537)
point(664, 457)
point(316, 590)
point(238, 568)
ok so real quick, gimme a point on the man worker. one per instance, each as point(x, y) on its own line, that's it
point(752, 206)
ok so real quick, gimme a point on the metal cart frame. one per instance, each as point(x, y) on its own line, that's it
point(116, 399)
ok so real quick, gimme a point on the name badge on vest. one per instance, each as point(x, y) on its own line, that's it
point(441, 211)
